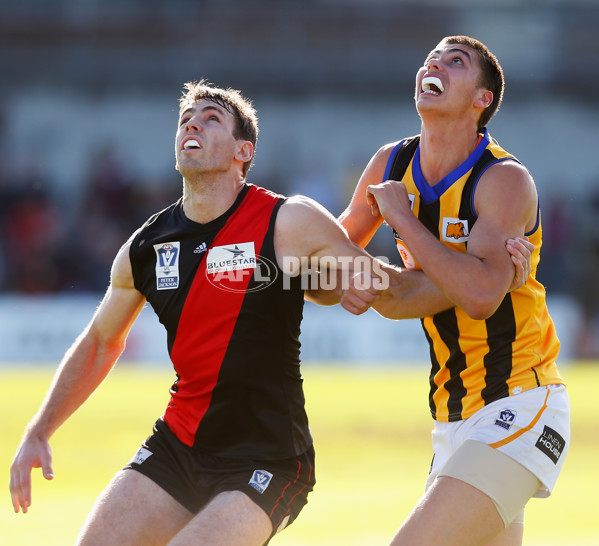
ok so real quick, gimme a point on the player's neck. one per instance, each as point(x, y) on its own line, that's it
point(207, 200)
point(444, 147)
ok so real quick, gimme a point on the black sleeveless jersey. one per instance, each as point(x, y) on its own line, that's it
point(233, 324)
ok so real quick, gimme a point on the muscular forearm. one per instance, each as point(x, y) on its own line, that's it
point(411, 294)
point(478, 288)
point(323, 297)
point(83, 368)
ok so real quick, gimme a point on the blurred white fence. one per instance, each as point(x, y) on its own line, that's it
point(40, 329)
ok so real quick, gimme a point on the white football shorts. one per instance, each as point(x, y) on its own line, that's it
point(532, 428)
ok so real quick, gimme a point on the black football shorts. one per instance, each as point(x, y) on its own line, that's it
point(193, 478)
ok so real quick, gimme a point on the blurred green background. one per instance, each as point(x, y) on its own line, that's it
point(372, 435)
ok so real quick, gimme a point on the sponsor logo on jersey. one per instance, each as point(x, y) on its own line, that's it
point(506, 418)
point(551, 443)
point(200, 249)
point(455, 230)
point(407, 258)
point(141, 455)
point(264, 273)
point(260, 480)
point(229, 266)
point(234, 257)
point(167, 265)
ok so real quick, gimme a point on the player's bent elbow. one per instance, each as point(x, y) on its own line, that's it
point(480, 300)
point(478, 314)
point(481, 309)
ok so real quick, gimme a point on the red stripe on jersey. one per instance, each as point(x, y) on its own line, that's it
point(209, 316)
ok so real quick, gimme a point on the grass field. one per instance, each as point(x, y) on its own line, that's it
point(371, 430)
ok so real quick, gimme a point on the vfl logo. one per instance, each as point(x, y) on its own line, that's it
point(506, 419)
point(167, 265)
point(551, 444)
point(260, 480)
point(455, 230)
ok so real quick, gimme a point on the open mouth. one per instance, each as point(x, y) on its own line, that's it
point(431, 85)
point(191, 143)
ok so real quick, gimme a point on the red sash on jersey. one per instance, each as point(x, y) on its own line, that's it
point(210, 314)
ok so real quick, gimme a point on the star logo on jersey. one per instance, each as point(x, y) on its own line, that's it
point(237, 252)
point(238, 257)
point(237, 268)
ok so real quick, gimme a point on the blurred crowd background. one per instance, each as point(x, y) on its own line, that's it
point(88, 111)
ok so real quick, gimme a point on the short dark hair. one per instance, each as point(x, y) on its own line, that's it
point(491, 74)
point(246, 119)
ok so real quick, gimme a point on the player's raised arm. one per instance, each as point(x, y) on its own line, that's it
point(357, 219)
point(81, 371)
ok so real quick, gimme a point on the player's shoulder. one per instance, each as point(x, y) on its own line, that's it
point(301, 217)
point(121, 273)
point(508, 183)
point(387, 152)
point(302, 209)
point(508, 172)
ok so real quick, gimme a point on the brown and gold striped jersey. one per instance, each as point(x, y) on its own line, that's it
point(475, 362)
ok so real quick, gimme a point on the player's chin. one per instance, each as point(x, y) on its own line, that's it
point(425, 102)
point(188, 167)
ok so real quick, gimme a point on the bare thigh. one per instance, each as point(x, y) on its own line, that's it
point(452, 512)
point(512, 535)
point(229, 519)
point(133, 510)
